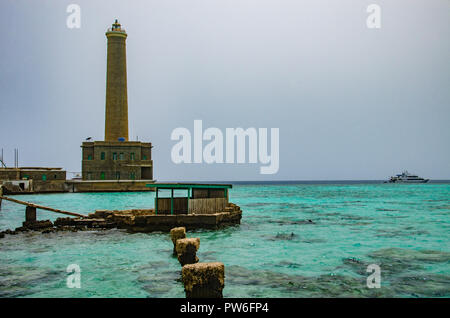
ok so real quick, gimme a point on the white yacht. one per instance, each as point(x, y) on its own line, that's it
point(406, 177)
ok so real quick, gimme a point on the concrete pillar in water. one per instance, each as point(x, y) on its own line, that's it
point(187, 250)
point(116, 117)
point(30, 214)
point(203, 280)
point(175, 234)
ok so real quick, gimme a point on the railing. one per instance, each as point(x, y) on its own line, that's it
point(116, 30)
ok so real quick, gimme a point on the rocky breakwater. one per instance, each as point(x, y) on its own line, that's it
point(45, 226)
point(187, 250)
point(148, 221)
point(203, 280)
point(136, 220)
point(176, 234)
point(103, 219)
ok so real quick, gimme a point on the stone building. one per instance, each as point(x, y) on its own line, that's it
point(32, 179)
point(116, 158)
point(109, 160)
point(32, 173)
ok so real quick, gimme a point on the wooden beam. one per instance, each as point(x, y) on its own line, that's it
point(188, 185)
point(37, 206)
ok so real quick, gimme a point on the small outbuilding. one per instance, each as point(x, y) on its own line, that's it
point(190, 198)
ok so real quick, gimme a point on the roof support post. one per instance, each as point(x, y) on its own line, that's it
point(171, 201)
point(188, 196)
point(156, 202)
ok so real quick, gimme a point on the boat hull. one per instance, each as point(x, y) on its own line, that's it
point(410, 181)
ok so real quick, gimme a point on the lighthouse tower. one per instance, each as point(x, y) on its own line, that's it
point(116, 158)
point(116, 117)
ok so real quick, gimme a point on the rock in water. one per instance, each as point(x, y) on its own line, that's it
point(175, 234)
point(203, 280)
point(37, 225)
point(187, 249)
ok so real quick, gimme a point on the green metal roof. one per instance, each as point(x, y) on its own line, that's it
point(188, 186)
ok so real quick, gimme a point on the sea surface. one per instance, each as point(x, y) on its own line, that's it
point(295, 240)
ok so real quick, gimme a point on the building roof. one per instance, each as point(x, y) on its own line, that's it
point(31, 168)
point(175, 185)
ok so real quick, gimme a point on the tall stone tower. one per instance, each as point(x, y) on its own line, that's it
point(116, 158)
point(116, 117)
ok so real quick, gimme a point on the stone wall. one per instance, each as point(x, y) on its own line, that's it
point(103, 160)
point(50, 186)
point(9, 174)
point(43, 174)
point(32, 174)
point(107, 186)
point(147, 221)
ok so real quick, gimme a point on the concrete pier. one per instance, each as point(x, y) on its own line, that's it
point(203, 280)
point(187, 250)
point(176, 234)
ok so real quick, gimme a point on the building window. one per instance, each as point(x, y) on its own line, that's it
point(114, 155)
point(89, 157)
point(55, 176)
point(144, 157)
point(102, 156)
point(132, 176)
point(44, 177)
point(118, 175)
point(102, 175)
point(132, 156)
point(89, 175)
point(121, 156)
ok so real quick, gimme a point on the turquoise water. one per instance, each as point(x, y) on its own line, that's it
point(275, 252)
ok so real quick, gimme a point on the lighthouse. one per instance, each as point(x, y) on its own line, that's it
point(116, 115)
point(116, 157)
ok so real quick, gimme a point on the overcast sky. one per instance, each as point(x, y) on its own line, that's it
point(350, 102)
